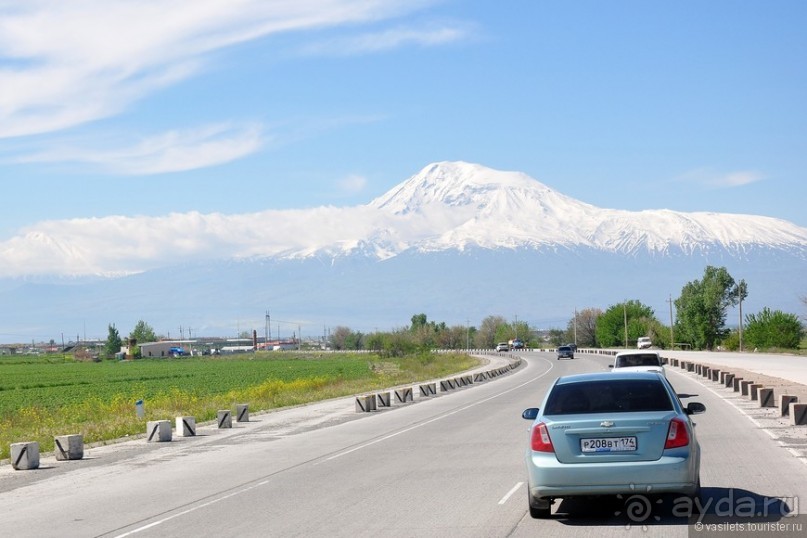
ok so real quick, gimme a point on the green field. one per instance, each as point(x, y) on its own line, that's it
point(42, 397)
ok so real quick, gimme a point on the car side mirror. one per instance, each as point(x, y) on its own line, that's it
point(693, 408)
point(610, 366)
point(530, 413)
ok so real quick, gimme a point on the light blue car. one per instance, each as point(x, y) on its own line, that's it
point(611, 433)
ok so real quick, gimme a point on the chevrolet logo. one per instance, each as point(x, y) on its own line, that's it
point(606, 423)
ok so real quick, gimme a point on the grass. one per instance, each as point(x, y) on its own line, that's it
point(42, 397)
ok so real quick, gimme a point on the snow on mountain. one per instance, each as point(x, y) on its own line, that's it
point(457, 241)
point(463, 205)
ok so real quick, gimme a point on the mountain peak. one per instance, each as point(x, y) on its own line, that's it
point(455, 184)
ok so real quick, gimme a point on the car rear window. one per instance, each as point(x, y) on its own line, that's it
point(617, 396)
point(645, 359)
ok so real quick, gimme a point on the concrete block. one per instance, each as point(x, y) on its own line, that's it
point(753, 390)
point(744, 384)
point(428, 389)
point(766, 398)
point(69, 447)
point(25, 456)
point(365, 404)
point(186, 426)
point(716, 374)
point(690, 367)
point(480, 377)
point(404, 395)
point(784, 403)
point(447, 385)
point(798, 414)
point(224, 419)
point(158, 431)
point(736, 383)
point(728, 380)
point(384, 399)
point(242, 413)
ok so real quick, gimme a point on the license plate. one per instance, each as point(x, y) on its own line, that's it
point(608, 444)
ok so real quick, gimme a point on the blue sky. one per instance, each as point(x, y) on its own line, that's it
point(151, 108)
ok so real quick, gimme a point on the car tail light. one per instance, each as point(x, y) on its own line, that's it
point(540, 441)
point(677, 435)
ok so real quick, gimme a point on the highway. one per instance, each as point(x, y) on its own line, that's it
point(450, 465)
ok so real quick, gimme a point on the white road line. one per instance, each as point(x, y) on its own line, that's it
point(511, 492)
point(263, 483)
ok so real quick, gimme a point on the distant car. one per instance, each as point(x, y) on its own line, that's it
point(573, 346)
point(565, 352)
point(502, 346)
point(643, 342)
point(603, 433)
point(518, 344)
point(638, 361)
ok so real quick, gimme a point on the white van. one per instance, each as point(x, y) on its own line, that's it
point(643, 342)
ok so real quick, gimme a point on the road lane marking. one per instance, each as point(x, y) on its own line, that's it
point(264, 482)
point(511, 492)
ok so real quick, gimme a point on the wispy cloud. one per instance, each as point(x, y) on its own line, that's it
point(172, 151)
point(390, 39)
point(352, 184)
point(721, 180)
point(63, 64)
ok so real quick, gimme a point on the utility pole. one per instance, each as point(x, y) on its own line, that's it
point(672, 323)
point(625, 315)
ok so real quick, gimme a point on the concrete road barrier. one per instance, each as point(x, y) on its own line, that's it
point(716, 375)
point(736, 383)
point(186, 426)
point(366, 404)
point(225, 418)
point(242, 413)
point(784, 403)
point(25, 455)
point(744, 384)
point(69, 447)
point(428, 389)
point(384, 399)
point(798, 414)
point(728, 380)
point(753, 390)
point(404, 395)
point(158, 431)
point(766, 398)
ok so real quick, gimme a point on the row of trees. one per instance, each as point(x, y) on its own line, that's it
point(700, 323)
point(142, 333)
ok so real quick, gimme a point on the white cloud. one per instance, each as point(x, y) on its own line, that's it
point(721, 180)
point(68, 63)
point(352, 184)
point(172, 151)
point(389, 39)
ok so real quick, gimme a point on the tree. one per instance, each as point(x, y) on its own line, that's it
point(339, 337)
point(488, 334)
point(611, 324)
point(584, 327)
point(113, 342)
point(143, 333)
point(773, 329)
point(701, 308)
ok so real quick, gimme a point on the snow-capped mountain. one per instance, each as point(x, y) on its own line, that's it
point(467, 204)
point(456, 241)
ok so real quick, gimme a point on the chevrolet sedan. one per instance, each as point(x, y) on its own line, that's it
point(609, 434)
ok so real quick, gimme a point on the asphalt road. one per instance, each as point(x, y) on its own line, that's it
point(451, 465)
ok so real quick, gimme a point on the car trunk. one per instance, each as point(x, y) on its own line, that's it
point(610, 437)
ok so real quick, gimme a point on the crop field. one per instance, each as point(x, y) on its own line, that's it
point(41, 398)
